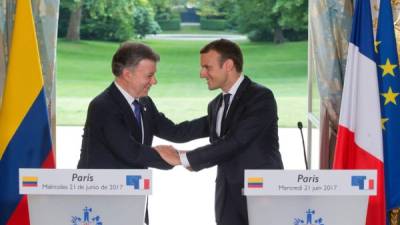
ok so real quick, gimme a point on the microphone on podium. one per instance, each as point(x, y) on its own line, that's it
point(300, 126)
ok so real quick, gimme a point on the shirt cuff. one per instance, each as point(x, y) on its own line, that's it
point(184, 159)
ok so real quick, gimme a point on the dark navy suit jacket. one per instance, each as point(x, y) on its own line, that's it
point(111, 134)
point(249, 141)
point(111, 138)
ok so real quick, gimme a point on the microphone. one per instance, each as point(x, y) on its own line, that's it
point(300, 126)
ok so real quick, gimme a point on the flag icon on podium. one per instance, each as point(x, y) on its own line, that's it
point(255, 182)
point(138, 182)
point(362, 182)
point(29, 181)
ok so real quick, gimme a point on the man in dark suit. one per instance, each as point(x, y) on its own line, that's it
point(242, 126)
point(122, 120)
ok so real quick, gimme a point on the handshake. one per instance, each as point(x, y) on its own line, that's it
point(170, 155)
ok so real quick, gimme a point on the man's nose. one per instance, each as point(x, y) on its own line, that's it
point(153, 81)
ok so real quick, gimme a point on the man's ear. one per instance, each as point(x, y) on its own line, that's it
point(125, 74)
point(229, 65)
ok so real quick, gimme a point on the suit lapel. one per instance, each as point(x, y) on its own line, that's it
point(214, 113)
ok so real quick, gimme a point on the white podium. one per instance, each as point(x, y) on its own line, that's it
point(85, 197)
point(309, 197)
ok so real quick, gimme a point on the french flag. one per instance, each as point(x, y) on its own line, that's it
point(359, 140)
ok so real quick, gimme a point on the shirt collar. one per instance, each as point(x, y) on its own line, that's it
point(126, 95)
point(234, 87)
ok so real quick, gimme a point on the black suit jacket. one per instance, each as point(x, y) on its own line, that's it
point(111, 135)
point(249, 141)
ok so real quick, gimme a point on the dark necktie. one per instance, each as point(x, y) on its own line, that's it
point(226, 106)
point(138, 117)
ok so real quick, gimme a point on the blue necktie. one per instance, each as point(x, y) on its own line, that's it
point(138, 116)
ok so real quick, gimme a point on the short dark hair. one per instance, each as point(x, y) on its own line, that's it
point(129, 54)
point(228, 50)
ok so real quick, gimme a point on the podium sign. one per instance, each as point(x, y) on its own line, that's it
point(314, 197)
point(85, 197)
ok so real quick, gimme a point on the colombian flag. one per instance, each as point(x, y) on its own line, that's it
point(255, 182)
point(25, 140)
point(29, 181)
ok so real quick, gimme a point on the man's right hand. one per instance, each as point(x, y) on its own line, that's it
point(169, 154)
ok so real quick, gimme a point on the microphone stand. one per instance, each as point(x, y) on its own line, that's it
point(300, 126)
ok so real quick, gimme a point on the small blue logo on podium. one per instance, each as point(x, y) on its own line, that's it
point(309, 219)
point(87, 218)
